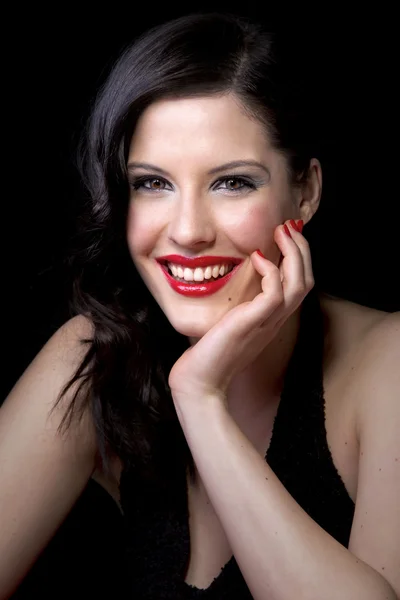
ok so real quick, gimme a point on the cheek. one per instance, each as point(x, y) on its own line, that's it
point(255, 228)
point(141, 230)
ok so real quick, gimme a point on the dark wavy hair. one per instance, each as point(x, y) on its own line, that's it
point(123, 377)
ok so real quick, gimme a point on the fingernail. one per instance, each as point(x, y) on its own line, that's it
point(293, 224)
point(286, 230)
point(300, 224)
point(260, 253)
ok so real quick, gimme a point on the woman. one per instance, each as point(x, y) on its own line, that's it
point(242, 419)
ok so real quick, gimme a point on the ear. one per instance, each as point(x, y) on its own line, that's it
point(308, 195)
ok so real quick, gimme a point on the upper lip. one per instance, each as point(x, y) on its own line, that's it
point(198, 261)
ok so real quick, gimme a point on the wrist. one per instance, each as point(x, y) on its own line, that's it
point(199, 406)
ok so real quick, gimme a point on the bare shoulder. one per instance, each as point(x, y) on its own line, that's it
point(378, 374)
point(32, 408)
point(57, 360)
point(347, 323)
point(42, 381)
point(359, 342)
point(67, 343)
point(42, 471)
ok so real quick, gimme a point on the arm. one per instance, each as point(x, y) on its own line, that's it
point(42, 473)
point(375, 535)
point(282, 553)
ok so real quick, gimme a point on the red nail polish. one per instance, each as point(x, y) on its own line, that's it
point(286, 230)
point(260, 253)
point(300, 224)
point(293, 224)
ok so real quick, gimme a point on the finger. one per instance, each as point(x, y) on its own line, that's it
point(270, 301)
point(279, 298)
point(304, 248)
point(280, 295)
point(292, 266)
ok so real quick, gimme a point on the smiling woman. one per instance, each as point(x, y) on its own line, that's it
point(205, 381)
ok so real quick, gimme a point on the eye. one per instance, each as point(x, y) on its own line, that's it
point(155, 184)
point(151, 184)
point(235, 184)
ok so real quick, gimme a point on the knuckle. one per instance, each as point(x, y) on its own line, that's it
point(298, 290)
point(310, 283)
point(277, 298)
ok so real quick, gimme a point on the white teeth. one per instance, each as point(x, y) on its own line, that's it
point(188, 274)
point(208, 273)
point(199, 274)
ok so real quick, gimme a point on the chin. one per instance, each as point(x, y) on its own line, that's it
point(192, 327)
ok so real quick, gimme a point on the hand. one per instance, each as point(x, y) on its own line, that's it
point(207, 368)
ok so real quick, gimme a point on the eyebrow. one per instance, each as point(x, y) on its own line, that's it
point(230, 165)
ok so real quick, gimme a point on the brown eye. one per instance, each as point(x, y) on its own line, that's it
point(149, 184)
point(155, 184)
point(234, 184)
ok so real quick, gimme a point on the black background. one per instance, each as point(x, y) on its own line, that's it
point(54, 63)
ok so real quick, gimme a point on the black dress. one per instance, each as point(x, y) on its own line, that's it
point(156, 527)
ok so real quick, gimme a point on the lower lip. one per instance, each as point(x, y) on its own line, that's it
point(200, 288)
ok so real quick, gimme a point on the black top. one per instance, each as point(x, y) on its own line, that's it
point(157, 527)
point(97, 553)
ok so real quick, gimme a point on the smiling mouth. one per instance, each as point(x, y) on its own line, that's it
point(199, 280)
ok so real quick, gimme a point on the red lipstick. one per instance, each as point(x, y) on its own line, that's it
point(198, 289)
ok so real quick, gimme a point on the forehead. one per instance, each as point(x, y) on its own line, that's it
point(209, 124)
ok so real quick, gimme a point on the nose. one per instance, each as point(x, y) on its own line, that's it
point(191, 223)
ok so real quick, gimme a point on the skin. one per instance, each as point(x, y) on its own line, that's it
point(188, 213)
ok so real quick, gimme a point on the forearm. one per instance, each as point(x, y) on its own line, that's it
point(282, 552)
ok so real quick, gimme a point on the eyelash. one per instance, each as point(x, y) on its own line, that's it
point(139, 182)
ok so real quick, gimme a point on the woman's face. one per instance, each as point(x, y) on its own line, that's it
point(188, 203)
